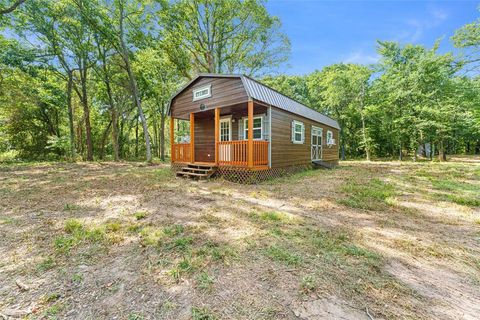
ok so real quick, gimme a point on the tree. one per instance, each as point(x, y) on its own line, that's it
point(66, 37)
point(158, 79)
point(117, 23)
point(341, 91)
point(223, 36)
point(468, 39)
point(417, 85)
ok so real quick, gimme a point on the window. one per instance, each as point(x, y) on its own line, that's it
point(202, 93)
point(225, 132)
point(330, 140)
point(257, 128)
point(298, 132)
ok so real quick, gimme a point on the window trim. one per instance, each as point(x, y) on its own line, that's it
point(329, 139)
point(208, 95)
point(302, 132)
point(227, 119)
point(245, 128)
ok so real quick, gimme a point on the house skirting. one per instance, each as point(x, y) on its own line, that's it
point(248, 176)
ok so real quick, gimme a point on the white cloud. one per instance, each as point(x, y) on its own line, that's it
point(436, 16)
point(362, 58)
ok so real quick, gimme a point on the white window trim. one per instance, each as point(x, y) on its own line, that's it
point(208, 95)
point(330, 140)
point(245, 128)
point(302, 132)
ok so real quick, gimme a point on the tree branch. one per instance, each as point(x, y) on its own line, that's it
point(12, 7)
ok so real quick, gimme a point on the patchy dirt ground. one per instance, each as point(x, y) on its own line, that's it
point(127, 241)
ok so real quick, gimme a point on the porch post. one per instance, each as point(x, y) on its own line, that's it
point(217, 133)
point(250, 133)
point(172, 138)
point(192, 137)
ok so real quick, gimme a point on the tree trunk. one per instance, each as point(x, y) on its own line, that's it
point(104, 139)
point(70, 115)
point(441, 151)
point(400, 154)
point(133, 86)
point(116, 148)
point(156, 147)
point(86, 112)
point(365, 138)
point(162, 133)
point(136, 139)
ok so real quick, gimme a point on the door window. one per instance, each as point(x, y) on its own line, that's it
point(225, 130)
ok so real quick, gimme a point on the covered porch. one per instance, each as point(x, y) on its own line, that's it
point(231, 136)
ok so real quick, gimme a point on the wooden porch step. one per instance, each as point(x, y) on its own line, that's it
point(197, 171)
point(201, 166)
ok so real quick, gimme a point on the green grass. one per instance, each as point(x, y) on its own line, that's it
point(77, 233)
point(462, 200)
point(202, 314)
point(284, 255)
point(373, 194)
point(46, 264)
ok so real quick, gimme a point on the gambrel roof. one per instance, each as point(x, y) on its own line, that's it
point(265, 94)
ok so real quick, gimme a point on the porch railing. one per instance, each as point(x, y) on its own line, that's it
point(181, 152)
point(260, 153)
point(235, 153)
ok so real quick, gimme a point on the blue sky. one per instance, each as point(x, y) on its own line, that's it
point(327, 32)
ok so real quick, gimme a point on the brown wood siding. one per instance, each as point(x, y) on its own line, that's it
point(286, 153)
point(225, 92)
point(204, 139)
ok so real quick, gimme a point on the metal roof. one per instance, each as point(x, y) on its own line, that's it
point(261, 92)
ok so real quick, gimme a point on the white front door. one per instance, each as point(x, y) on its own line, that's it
point(224, 152)
point(317, 139)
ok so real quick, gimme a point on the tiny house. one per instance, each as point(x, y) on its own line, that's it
point(246, 131)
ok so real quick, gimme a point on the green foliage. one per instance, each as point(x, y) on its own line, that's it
point(245, 38)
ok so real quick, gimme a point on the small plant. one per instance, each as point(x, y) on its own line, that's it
point(70, 207)
point(182, 243)
point(114, 226)
point(52, 297)
point(54, 310)
point(46, 264)
point(135, 316)
point(205, 282)
point(308, 284)
point(175, 274)
point(271, 216)
point(140, 215)
point(73, 226)
point(77, 278)
point(174, 230)
point(202, 314)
